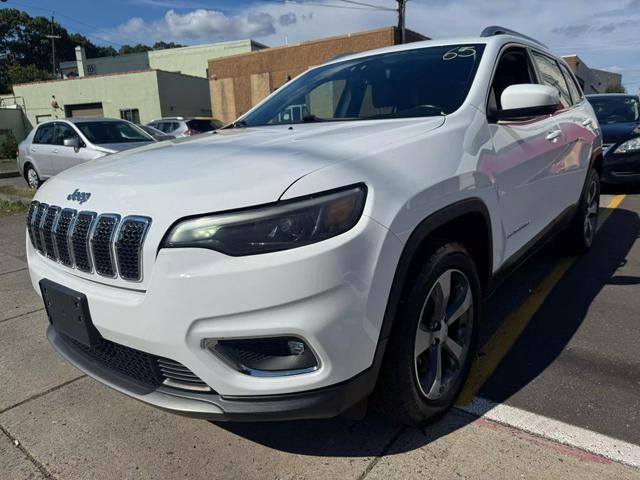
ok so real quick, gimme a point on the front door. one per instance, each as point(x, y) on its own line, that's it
point(526, 154)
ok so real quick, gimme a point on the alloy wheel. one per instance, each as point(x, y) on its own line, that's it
point(32, 178)
point(443, 337)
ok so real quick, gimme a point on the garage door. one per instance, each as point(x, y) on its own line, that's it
point(84, 110)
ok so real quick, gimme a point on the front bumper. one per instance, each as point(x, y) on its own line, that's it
point(331, 294)
point(321, 403)
point(621, 168)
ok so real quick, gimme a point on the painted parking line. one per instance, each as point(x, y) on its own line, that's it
point(564, 433)
point(506, 335)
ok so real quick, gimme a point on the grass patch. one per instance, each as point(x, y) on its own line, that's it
point(22, 192)
point(11, 208)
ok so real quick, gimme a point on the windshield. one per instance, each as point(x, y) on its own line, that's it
point(616, 109)
point(112, 132)
point(412, 83)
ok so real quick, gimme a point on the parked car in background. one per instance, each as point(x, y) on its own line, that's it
point(619, 117)
point(56, 145)
point(156, 134)
point(288, 267)
point(185, 126)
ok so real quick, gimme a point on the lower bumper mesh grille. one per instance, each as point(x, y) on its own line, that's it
point(137, 365)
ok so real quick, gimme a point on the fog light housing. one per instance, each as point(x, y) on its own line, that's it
point(265, 357)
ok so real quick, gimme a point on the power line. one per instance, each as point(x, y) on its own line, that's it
point(300, 3)
point(376, 7)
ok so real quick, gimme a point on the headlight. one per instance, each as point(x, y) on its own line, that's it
point(629, 146)
point(286, 225)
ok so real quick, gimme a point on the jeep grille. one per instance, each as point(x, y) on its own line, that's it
point(104, 244)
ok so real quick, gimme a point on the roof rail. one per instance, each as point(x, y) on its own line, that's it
point(497, 30)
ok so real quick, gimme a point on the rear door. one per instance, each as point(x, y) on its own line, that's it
point(527, 151)
point(41, 150)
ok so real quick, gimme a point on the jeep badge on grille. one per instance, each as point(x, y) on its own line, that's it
point(77, 196)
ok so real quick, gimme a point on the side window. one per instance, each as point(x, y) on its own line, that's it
point(514, 68)
point(44, 134)
point(551, 75)
point(62, 132)
point(173, 126)
point(574, 90)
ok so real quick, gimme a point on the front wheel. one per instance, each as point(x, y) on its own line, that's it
point(582, 231)
point(433, 340)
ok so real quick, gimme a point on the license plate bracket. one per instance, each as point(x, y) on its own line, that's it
point(68, 312)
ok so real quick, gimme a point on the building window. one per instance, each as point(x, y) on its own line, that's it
point(133, 115)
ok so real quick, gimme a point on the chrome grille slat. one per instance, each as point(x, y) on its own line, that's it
point(80, 241)
point(31, 214)
point(101, 240)
point(104, 244)
point(37, 225)
point(177, 375)
point(48, 223)
point(128, 246)
point(61, 236)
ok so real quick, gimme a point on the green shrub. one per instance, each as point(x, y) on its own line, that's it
point(8, 146)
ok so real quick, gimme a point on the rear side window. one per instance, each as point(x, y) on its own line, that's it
point(574, 90)
point(44, 134)
point(551, 75)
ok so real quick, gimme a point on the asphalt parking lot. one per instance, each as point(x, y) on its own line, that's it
point(554, 393)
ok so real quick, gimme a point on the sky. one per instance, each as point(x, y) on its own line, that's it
point(604, 34)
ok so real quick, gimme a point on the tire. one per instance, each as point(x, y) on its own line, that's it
point(32, 177)
point(407, 388)
point(579, 237)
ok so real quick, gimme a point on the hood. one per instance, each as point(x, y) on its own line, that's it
point(214, 172)
point(614, 133)
point(119, 147)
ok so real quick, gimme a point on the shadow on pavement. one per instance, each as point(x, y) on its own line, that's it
point(375, 435)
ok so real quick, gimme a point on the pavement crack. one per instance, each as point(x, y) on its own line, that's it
point(21, 315)
point(41, 394)
point(384, 451)
point(45, 473)
point(13, 271)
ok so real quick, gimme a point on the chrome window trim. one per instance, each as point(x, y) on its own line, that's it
point(96, 222)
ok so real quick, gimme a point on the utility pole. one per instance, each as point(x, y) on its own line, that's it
point(402, 6)
point(53, 48)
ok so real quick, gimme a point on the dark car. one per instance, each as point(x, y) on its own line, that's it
point(619, 117)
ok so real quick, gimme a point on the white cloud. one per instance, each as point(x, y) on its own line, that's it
point(567, 26)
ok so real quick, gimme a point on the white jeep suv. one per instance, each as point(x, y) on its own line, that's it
point(334, 242)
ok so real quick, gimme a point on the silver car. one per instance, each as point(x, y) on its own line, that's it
point(185, 126)
point(56, 145)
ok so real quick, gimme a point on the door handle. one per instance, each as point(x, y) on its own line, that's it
point(553, 136)
point(588, 122)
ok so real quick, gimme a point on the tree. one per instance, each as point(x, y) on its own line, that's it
point(139, 48)
point(30, 73)
point(615, 89)
point(164, 45)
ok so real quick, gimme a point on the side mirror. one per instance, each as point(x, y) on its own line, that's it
point(527, 100)
point(72, 142)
